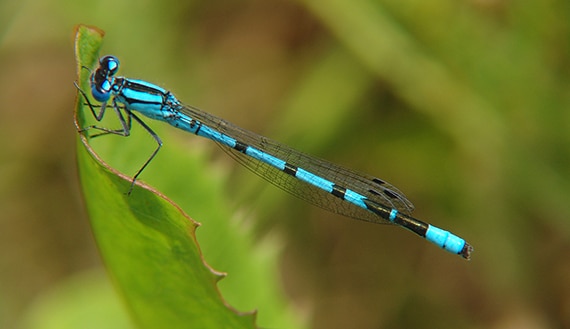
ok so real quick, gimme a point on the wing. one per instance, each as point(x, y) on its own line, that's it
point(371, 187)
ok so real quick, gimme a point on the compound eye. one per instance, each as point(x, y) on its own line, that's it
point(109, 64)
point(102, 92)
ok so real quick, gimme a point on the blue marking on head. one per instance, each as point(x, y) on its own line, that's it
point(101, 92)
point(102, 79)
point(109, 64)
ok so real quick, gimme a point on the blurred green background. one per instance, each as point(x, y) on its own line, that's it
point(462, 105)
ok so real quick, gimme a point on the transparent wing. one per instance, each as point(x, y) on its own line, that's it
point(371, 187)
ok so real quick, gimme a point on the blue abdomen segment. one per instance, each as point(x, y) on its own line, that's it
point(264, 157)
point(314, 180)
point(445, 239)
point(355, 198)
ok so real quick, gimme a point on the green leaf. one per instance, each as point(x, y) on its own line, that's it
point(147, 243)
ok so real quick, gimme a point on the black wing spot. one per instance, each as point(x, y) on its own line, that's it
point(378, 181)
point(374, 192)
point(391, 194)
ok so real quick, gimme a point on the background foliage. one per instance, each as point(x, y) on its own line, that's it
point(462, 105)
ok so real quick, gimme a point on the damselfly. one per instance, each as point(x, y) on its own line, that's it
point(314, 180)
